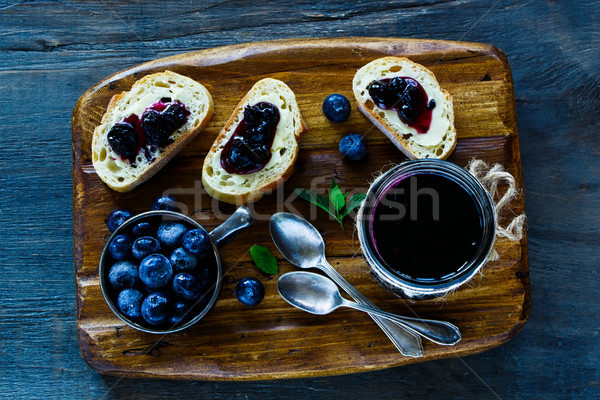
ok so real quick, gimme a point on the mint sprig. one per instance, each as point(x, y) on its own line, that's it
point(264, 259)
point(336, 204)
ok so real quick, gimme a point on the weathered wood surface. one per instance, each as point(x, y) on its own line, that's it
point(275, 340)
point(51, 52)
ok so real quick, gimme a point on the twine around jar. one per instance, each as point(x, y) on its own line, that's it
point(490, 177)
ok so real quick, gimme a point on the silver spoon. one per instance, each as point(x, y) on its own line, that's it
point(302, 245)
point(317, 294)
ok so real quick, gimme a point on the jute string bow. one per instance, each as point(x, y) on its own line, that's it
point(490, 177)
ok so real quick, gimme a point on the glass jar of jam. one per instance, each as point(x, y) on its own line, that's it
point(426, 227)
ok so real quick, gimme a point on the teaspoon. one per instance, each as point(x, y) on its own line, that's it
point(317, 294)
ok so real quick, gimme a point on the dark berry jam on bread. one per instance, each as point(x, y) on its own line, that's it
point(249, 148)
point(407, 97)
point(158, 122)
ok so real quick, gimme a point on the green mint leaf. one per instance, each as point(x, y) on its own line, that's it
point(338, 200)
point(354, 202)
point(333, 184)
point(313, 198)
point(264, 259)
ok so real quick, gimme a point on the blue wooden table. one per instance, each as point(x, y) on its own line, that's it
point(53, 51)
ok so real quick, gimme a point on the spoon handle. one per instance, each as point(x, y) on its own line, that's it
point(404, 339)
point(439, 332)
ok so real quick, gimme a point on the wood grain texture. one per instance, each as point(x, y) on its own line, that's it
point(51, 52)
point(275, 340)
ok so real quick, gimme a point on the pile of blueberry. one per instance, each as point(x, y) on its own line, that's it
point(403, 94)
point(154, 128)
point(249, 149)
point(162, 271)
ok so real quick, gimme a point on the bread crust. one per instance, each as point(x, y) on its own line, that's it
point(397, 137)
point(168, 153)
point(254, 195)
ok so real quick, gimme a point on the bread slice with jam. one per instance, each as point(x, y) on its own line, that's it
point(257, 149)
point(147, 126)
point(405, 101)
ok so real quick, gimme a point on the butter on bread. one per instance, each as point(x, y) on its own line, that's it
point(440, 139)
point(244, 188)
point(122, 175)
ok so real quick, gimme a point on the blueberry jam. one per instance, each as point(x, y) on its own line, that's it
point(249, 148)
point(407, 97)
point(158, 122)
point(426, 228)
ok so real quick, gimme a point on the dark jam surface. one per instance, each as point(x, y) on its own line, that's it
point(249, 148)
point(426, 227)
point(158, 122)
point(407, 97)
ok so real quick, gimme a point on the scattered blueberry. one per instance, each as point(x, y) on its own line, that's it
point(117, 217)
point(130, 302)
point(144, 246)
point(155, 308)
point(196, 241)
point(180, 310)
point(353, 147)
point(171, 233)
point(120, 247)
point(182, 261)
point(186, 286)
point(336, 107)
point(250, 291)
point(143, 229)
point(123, 275)
point(155, 271)
point(165, 203)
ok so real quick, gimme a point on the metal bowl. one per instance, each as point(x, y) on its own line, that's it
point(219, 237)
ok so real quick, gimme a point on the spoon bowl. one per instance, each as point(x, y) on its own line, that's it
point(309, 292)
point(297, 240)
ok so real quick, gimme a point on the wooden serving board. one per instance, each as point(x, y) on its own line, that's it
point(273, 339)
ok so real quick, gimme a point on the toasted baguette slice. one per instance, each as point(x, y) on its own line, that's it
point(241, 189)
point(120, 174)
point(440, 140)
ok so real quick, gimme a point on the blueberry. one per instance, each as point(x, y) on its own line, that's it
point(123, 275)
point(186, 286)
point(130, 302)
point(165, 203)
point(336, 107)
point(155, 308)
point(155, 271)
point(144, 246)
point(250, 291)
point(196, 241)
point(353, 147)
point(155, 128)
point(117, 217)
point(182, 261)
point(124, 141)
point(180, 313)
point(120, 247)
point(174, 116)
point(171, 233)
point(143, 229)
